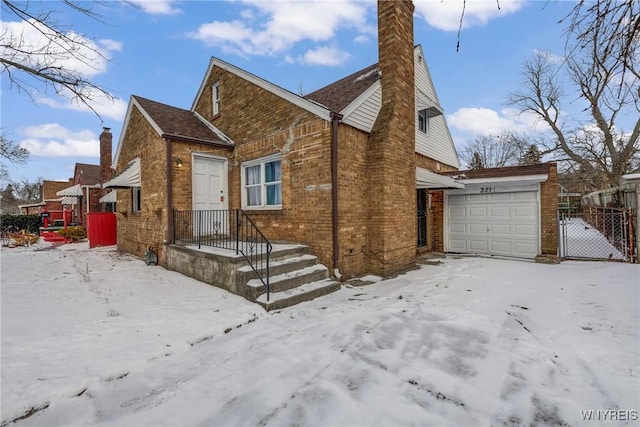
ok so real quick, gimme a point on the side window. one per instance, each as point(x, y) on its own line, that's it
point(423, 121)
point(262, 184)
point(216, 98)
point(136, 200)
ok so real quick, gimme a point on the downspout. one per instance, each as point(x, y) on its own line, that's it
point(335, 121)
point(169, 238)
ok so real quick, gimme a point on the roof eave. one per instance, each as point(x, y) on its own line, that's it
point(183, 138)
point(299, 101)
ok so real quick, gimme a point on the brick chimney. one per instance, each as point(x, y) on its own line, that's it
point(391, 164)
point(105, 155)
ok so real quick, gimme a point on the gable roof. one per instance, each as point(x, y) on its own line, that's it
point(174, 123)
point(338, 95)
point(181, 124)
point(320, 110)
point(86, 174)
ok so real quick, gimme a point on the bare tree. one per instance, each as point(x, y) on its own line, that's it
point(506, 149)
point(30, 65)
point(532, 156)
point(595, 144)
point(27, 190)
point(617, 25)
point(11, 152)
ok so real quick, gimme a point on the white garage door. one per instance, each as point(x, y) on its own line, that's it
point(494, 223)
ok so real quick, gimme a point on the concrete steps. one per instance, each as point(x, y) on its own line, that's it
point(301, 293)
point(294, 276)
point(52, 236)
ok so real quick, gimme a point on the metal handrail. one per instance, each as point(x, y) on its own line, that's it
point(230, 229)
point(250, 247)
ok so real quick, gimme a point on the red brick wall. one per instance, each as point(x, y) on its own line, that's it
point(106, 146)
point(549, 213)
point(353, 201)
point(435, 215)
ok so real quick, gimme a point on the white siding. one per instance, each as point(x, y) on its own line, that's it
point(437, 143)
point(366, 113)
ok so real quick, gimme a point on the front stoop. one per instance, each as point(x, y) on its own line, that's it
point(295, 275)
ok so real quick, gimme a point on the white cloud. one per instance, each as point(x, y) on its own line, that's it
point(54, 140)
point(549, 56)
point(157, 7)
point(110, 45)
point(106, 107)
point(445, 15)
point(272, 27)
point(325, 56)
point(23, 40)
point(89, 59)
point(484, 121)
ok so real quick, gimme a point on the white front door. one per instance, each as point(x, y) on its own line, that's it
point(210, 195)
point(209, 181)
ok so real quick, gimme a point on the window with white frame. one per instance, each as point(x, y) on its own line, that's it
point(136, 200)
point(262, 183)
point(216, 98)
point(423, 121)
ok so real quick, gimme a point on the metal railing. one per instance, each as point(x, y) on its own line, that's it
point(230, 229)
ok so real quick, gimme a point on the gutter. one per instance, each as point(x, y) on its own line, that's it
point(335, 121)
point(169, 238)
point(219, 144)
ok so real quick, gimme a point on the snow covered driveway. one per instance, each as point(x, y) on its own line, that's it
point(93, 337)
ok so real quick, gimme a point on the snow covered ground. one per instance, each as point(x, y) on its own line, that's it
point(94, 337)
point(579, 239)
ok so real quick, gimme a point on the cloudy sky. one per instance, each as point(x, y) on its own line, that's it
point(160, 50)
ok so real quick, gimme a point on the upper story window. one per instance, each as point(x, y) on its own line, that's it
point(216, 98)
point(262, 183)
point(423, 121)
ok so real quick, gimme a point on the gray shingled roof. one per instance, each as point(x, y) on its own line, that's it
point(87, 174)
point(180, 124)
point(340, 94)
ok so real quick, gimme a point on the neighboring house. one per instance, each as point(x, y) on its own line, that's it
point(343, 170)
point(86, 193)
point(48, 198)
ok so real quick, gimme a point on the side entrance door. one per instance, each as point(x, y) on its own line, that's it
point(421, 204)
point(210, 196)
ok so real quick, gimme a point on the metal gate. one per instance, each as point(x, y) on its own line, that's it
point(597, 233)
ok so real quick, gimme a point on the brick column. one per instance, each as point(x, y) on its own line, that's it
point(106, 173)
point(391, 165)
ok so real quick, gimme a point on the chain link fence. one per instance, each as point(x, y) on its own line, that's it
point(597, 233)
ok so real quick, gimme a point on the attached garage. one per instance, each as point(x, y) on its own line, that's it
point(499, 212)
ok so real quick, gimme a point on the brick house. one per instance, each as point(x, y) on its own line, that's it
point(48, 198)
point(343, 169)
point(86, 193)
